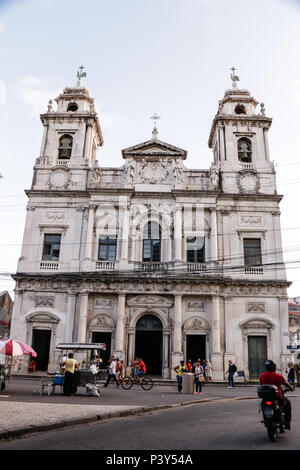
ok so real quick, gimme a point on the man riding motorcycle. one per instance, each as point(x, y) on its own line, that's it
point(271, 378)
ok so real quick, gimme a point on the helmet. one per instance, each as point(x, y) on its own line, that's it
point(270, 365)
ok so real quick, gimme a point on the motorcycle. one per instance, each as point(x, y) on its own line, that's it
point(272, 410)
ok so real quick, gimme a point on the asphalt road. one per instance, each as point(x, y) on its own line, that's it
point(223, 425)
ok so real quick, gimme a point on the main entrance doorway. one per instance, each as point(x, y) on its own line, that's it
point(148, 343)
point(41, 345)
point(103, 337)
point(257, 355)
point(195, 347)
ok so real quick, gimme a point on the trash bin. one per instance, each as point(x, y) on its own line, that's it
point(188, 382)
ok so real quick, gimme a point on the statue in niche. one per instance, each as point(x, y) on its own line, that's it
point(96, 172)
point(178, 171)
point(129, 171)
point(214, 175)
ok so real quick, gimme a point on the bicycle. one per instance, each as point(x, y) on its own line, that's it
point(145, 382)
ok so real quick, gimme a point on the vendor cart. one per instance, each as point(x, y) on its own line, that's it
point(90, 352)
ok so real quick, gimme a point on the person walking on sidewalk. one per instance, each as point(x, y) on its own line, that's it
point(179, 371)
point(70, 366)
point(112, 372)
point(231, 371)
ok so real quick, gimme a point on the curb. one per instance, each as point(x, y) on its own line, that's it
point(118, 414)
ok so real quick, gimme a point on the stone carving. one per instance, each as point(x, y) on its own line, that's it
point(102, 321)
point(255, 307)
point(153, 300)
point(262, 109)
point(251, 220)
point(196, 306)
point(214, 175)
point(129, 171)
point(60, 178)
point(44, 301)
point(103, 303)
point(50, 109)
point(248, 182)
point(55, 216)
point(196, 323)
point(96, 172)
point(178, 171)
point(151, 172)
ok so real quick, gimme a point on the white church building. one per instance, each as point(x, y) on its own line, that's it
point(153, 258)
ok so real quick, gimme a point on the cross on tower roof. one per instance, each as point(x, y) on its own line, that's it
point(155, 118)
point(234, 77)
point(80, 75)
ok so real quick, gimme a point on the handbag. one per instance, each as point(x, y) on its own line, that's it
point(201, 378)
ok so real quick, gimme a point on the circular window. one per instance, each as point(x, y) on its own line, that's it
point(72, 107)
point(240, 109)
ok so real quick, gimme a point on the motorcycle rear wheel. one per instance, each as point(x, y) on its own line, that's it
point(272, 433)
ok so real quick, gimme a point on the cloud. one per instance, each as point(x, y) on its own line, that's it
point(35, 93)
point(2, 27)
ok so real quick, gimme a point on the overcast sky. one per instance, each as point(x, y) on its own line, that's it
point(170, 57)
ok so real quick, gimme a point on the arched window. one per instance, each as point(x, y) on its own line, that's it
point(65, 147)
point(152, 242)
point(245, 150)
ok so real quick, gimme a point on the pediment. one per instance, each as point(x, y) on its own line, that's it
point(154, 148)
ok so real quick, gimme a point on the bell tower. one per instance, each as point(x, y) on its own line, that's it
point(72, 135)
point(239, 140)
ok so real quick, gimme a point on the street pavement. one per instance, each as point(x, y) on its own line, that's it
point(24, 410)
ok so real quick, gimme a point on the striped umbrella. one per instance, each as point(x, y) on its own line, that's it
point(12, 347)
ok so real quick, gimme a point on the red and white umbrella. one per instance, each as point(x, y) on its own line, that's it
point(12, 347)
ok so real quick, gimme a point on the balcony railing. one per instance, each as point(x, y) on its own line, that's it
point(254, 270)
point(63, 162)
point(196, 267)
point(105, 265)
point(152, 267)
point(247, 166)
point(49, 265)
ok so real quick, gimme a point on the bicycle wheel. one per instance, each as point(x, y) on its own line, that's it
point(147, 383)
point(127, 383)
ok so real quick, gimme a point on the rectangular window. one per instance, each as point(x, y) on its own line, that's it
point(252, 252)
point(195, 249)
point(107, 248)
point(51, 247)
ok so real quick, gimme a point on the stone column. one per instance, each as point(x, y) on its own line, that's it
point(125, 231)
point(130, 358)
point(279, 272)
point(88, 141)
point(213, 235)
point(81, 336)
point(166, 336)
point(89, 239)
point(266, 141)
point(16, 321)
point(69, 324)
point(178, 233)
point(216, 359)
point(119, 333)
point(229, 332)
point(177, 354)
point(284, 331)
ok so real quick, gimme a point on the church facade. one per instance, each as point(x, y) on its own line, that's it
point(154, 259)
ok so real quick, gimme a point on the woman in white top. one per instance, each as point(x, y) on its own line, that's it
point(198, 377)
point(208, 371)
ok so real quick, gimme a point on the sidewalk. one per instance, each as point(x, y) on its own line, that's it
point(24, 410)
